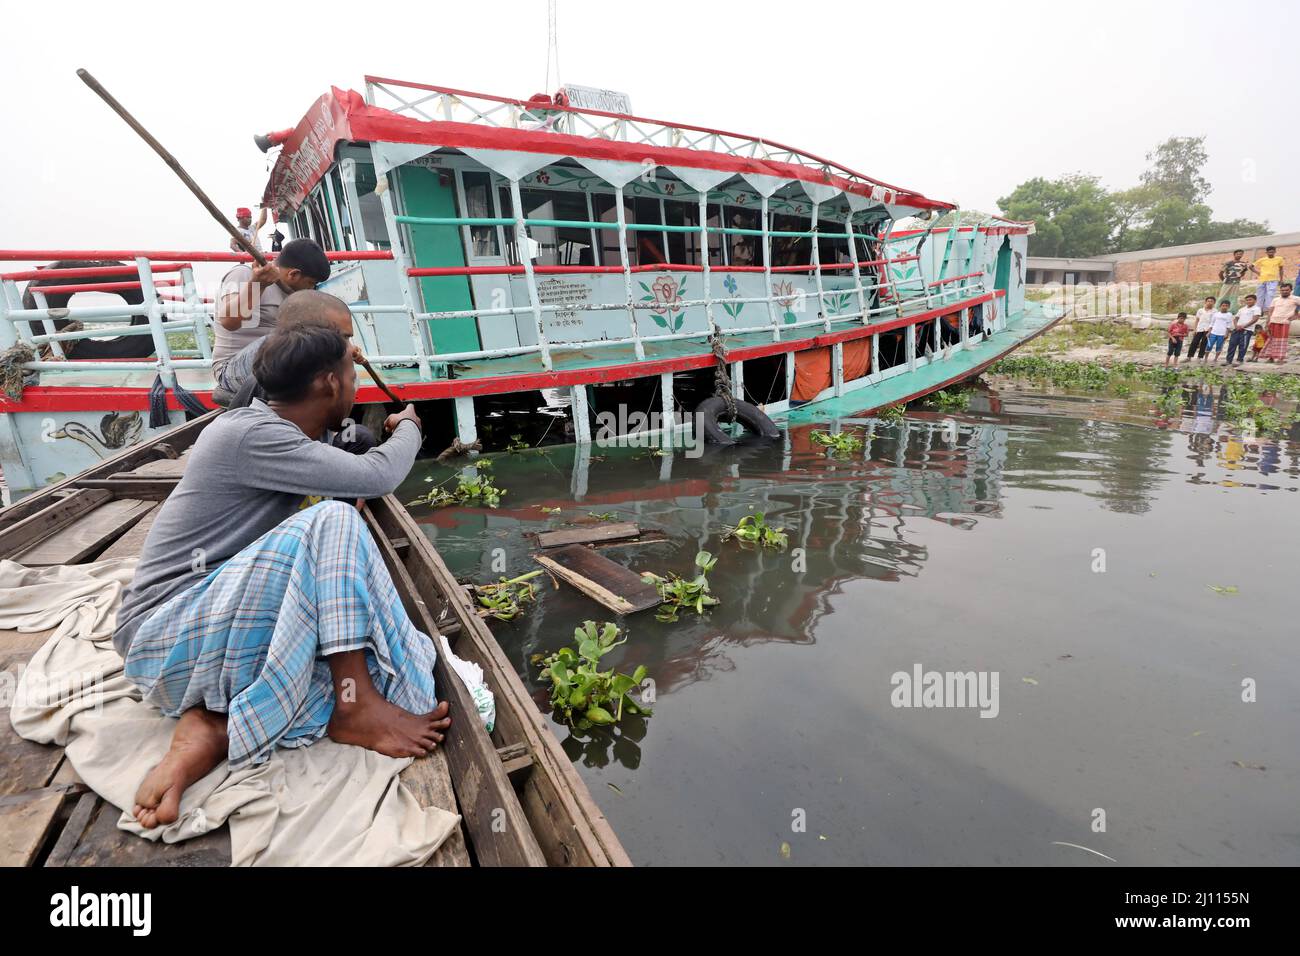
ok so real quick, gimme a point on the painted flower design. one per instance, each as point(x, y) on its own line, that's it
point(730, 285)
point(785, 295)
point(666, 293)
point(544, 178)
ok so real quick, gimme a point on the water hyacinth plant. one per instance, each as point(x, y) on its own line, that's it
point(840, 444)
point(755, 530)
point(679, 593)
point(584, 694)
point(504, 600)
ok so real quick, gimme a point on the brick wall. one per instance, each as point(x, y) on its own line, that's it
point(1126, 272)
point(1199, 268)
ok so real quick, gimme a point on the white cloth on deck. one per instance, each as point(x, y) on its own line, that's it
point(328, 804)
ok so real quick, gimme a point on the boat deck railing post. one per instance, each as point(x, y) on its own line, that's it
point(154, 311)
point(10, 300)
point(627, 271)
point(195, 307)
point(817, 266)
point(521, 245)
point(767, 272)
point(47, 323)
point(704, 260)
point(857, 273)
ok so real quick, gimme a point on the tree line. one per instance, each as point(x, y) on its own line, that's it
point(1077, 217)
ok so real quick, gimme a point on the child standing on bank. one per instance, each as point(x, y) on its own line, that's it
point(1177, 332)
point(1220, 322)
point(1204, 319)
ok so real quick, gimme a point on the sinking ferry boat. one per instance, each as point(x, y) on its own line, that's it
point(492, 249)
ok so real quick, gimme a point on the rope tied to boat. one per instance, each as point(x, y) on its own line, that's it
point(12, 372)
point(721, 378)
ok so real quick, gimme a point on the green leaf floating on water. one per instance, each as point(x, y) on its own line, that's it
point(583, 694)
point(1223, 589)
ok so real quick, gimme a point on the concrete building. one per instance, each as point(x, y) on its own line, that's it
point(1198, 262)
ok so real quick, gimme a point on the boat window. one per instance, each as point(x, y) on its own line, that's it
point(349, 238)
point(831, 248)
point(789, 250)
point(567, 246)
point(744, 250)
point(320, 222)
point(685, 247)
point(602, 207)
point(373, 223)
point(478, 205)
point(650, 246)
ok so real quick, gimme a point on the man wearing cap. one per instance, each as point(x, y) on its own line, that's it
point(248, 302)
point(244, 218)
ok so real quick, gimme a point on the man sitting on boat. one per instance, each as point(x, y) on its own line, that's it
point(259, 623)
point(249, 300)
point(309, 305)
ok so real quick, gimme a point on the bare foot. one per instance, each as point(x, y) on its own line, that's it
point(374, 723)
point(198, 744)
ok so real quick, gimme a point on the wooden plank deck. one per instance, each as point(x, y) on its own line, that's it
point(47, 817)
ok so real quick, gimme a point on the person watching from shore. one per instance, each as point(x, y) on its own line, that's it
point(249, 299)
point(309, 305)
point(1281, 313)
point(1231, 275)
point(1243, 330)
point(1220, 322)
point(244, 219)
point(1204, 319)
point(1269, 269)
point(1177, 332)
point(259, 623)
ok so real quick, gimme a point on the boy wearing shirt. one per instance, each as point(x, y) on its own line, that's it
point(1231, 274)
point(1177, 332)
point(1204, 319)
point(1269, 270)
point(1219, 323)
point(1243, 330)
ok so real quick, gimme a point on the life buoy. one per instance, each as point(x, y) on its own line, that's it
point(135, 346)
point(713, 409)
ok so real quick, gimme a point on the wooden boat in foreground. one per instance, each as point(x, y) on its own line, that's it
point(48, 817)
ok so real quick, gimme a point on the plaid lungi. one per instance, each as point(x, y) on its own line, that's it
point(1277, 340)
point(250, 640)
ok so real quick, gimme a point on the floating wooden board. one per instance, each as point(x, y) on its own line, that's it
point(87, 535)
point(601, 579)
point(605, 531)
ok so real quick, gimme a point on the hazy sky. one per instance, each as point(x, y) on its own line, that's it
point(958, 100)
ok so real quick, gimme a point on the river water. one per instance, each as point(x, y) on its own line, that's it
point(1128, 584)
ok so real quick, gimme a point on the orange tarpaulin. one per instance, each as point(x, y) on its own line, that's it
point(812, 368)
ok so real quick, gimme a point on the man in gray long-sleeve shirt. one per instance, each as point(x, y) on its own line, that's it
point(258, 623)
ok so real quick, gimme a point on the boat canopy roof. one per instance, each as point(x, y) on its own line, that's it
point(517, 137)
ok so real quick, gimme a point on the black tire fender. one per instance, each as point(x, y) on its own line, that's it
point(714, 409)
